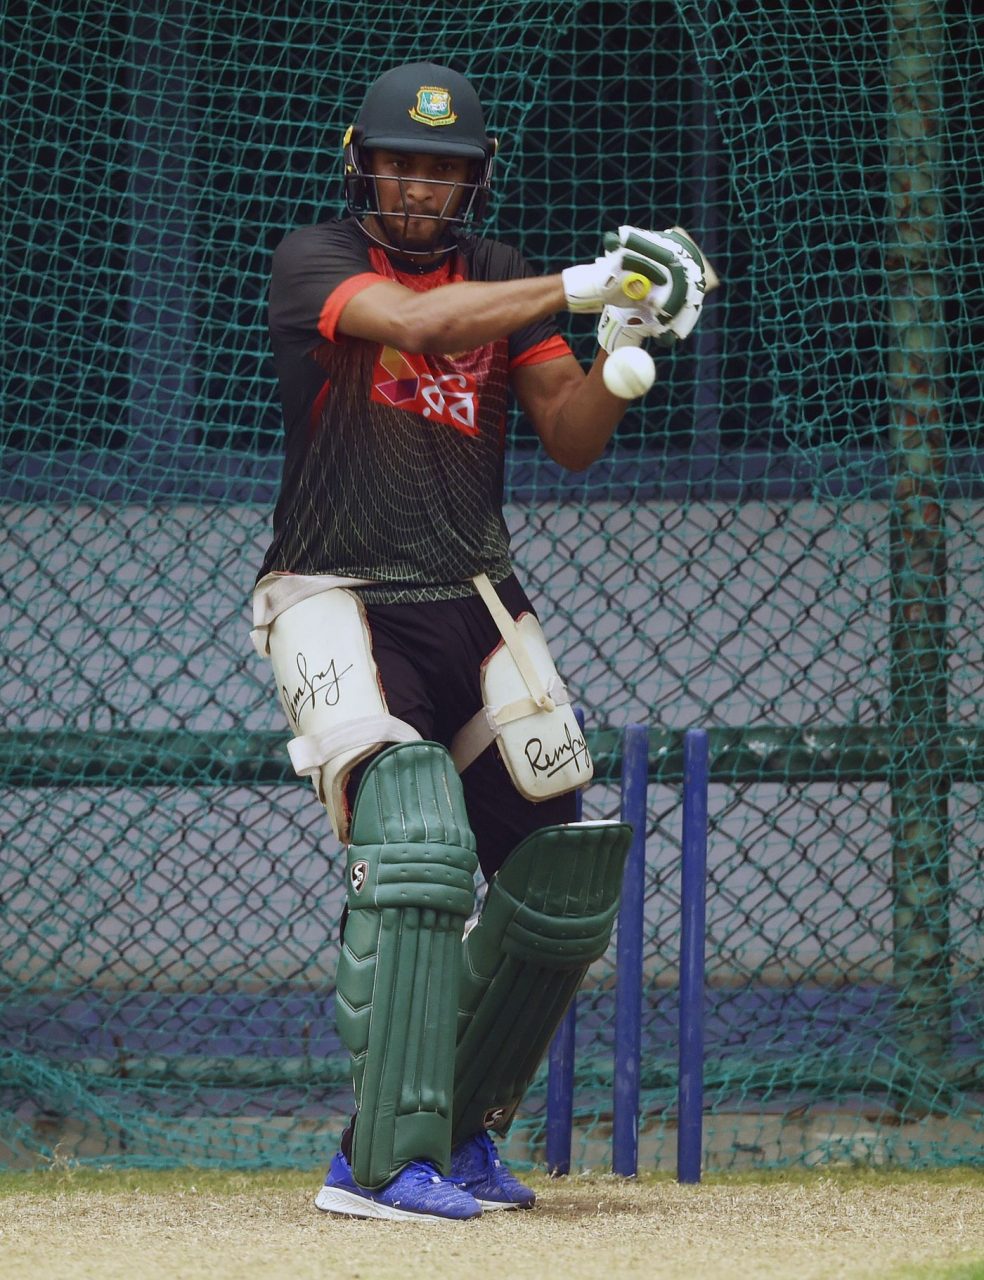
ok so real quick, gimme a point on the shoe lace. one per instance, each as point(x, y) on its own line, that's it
point(422, 1171)
point(486, 1151)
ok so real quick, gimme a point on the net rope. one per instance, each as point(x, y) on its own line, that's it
point(782, 545)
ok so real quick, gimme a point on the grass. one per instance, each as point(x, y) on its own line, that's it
point(60, 1177)
point(934, 1271)
point(67, 1222)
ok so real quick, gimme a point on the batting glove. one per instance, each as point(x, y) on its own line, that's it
point(627, 327)
point(674, 305)
point(620, 276)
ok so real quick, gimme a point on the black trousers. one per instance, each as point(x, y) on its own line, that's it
point(429, 658)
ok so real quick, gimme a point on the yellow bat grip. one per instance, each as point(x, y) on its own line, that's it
point(636, 286)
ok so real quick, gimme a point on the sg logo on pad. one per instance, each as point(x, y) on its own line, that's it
point(358, 875)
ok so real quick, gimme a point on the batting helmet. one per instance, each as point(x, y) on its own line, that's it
point(426, 108)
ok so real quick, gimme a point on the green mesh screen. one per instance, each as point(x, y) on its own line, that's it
point(783, 545)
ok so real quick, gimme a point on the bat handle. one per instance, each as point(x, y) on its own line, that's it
point(636, 286)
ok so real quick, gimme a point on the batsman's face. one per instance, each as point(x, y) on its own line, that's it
point(417, 193)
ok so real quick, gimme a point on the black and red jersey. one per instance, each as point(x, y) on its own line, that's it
point(393, 465)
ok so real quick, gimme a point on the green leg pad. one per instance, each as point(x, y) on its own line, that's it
point(411, 887)
point(548, 914)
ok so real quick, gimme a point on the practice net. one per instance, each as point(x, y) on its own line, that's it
point(783, 545)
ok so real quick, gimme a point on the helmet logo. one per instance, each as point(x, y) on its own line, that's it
point(433, 106)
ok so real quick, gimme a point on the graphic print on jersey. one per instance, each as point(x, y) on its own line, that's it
point(406, 381)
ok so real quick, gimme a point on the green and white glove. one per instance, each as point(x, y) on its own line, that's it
point(621, 276)
point(630, 327)
point(670, 309)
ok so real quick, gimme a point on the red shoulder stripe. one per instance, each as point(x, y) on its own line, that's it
point(552, 349)
point(336, 300)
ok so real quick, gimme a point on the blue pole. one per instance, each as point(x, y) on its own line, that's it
point(628, 981)
point(560, 1095)
point(560, 1071)
point(692, 933)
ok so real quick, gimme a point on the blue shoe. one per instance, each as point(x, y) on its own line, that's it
point(477, 1169)
point(417, 1192)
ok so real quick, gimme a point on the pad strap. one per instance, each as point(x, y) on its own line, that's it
point(548, 914)
point(504, 620)
point(485, 725)
point(276, 592)
point(310, 752)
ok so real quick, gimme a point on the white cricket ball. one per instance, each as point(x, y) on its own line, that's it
point(629, 372)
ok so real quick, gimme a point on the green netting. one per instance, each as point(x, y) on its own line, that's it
point(783, 544)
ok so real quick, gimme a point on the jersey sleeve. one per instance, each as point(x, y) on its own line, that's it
point(316, 270)
point(534, 343)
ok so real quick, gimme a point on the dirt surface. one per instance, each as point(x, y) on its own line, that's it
point(242, 1226)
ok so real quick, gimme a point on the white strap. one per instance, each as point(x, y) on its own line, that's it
point(484, 727)
point(472, 739)
point(310, 752)
point(556, 692)
point(514, 642)
point(276, 592)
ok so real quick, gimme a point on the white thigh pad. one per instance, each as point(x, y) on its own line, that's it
point(527, 713)
point(543, 748)
point(331, 694)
